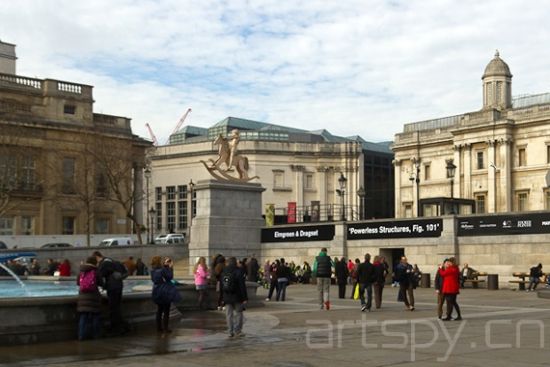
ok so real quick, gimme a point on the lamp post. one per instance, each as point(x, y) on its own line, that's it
point(151, 213)
point(342, 182)
point(361, 194)
point(415, 176)
point(191, 187)
point(451, 174)
point(147, 174)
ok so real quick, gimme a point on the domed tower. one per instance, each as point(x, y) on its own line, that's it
point(497, 84)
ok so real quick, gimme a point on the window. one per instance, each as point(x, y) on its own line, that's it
point(101, 189)
point(159, 216)
point(171, 216)
point(182, 192)
point(68, 225)
point(278, 179)
point(427, 172)
point(522, 198)
point(27, 225)
point(102, 225)
point(6, 226)
point(182, 215)
point(158, 193)
point(521, 157)
point(408, 210)
point(28, 177)
point(308, 181)
point(480, 204)
point(8, 171)
point(69, 109)
point(547, 199)
point(548, 154)
point(170, 192)
point(68, 176)
point(480, 160)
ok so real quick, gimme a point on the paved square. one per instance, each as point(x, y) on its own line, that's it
point(500, 328)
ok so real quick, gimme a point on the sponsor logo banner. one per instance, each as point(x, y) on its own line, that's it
point(495, 225)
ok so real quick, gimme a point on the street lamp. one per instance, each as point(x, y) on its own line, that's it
point(152, 212)
point(361, 194)
point(147, 174)
point(415, 176)
point(342, 182)
point(191, 186)
point(451, 174)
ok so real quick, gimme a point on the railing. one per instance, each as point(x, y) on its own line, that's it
point(327, 213)
point(69, 87)
point(433, 124)
point(21, 80)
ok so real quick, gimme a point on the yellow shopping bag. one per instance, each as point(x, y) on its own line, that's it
point(356, 292)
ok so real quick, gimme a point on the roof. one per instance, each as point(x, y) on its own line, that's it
point(245, 124)
point(381, 147)
point(497, 67)
point(530, 100)
point(193, 130)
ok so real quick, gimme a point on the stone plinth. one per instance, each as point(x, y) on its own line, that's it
point(228, 220)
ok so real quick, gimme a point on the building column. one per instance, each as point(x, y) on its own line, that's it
point(467, 186)
point(298, 183)
point(506, 174)
point(397, 187)
point(458, 173)
point(491, 177)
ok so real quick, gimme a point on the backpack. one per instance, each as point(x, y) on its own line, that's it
point(88, 281)
point(120, 272)
point(228, 281)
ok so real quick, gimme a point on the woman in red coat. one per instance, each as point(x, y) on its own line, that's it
point(65, 268)
point(451, 286)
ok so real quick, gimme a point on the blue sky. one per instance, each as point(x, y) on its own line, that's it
point(352, 67)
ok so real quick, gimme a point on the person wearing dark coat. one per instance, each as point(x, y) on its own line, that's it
point(365, 278)
point(164, 292)
point(283, 279)
point(234, 298)
point(438, 285)
point(88, 304)
point(253, 269)
point(341, 272)
point(379, 280)
point(404, 275)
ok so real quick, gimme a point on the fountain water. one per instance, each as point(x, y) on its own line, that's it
point(10, 272)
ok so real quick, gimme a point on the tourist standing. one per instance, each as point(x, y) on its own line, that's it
point(306, 273)
point(283, 279)
point(35, 267)
point(164, 292)
point(65, 268)
point(235, 297)
point(404, 276)
point(451, 287)
point(201, 279)
point(341, 272)
point(253, 269)
point(273, 284)
point(438, 285)
point(88, 304)
point(111, 274)
point(322, 269)
point(218, 266)
point(350, 267)
point(141, 268)
point(353, 276)
point(365, 278)
point(379, 280)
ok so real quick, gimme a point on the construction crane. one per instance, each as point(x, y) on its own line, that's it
point(180, 122)
point(152, 135)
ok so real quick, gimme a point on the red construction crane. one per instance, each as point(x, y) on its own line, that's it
point(180, 122)
point(152, 135)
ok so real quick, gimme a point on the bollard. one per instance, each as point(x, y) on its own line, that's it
point(425, 281)
point(492, 282)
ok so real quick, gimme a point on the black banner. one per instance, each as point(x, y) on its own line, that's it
point(395, 229)
point(497, 225)
point(298, 234)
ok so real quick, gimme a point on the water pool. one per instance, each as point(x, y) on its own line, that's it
point(43, 288)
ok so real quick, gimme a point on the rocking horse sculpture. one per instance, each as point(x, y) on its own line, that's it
point(227, 155)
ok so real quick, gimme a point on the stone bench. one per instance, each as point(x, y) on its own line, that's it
point(474, 282)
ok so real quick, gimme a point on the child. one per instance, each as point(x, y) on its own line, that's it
point(89, 301)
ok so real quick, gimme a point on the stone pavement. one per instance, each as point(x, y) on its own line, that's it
point(500, 328)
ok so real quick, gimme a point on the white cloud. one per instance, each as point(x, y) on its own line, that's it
point(352, 67)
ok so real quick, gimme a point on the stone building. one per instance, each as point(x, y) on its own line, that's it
point(499, 156)
point(63, 168)
point(294, 165)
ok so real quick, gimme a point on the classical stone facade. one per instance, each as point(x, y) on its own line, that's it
point(293, 165)
point(501, 153)
point(63, 168)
